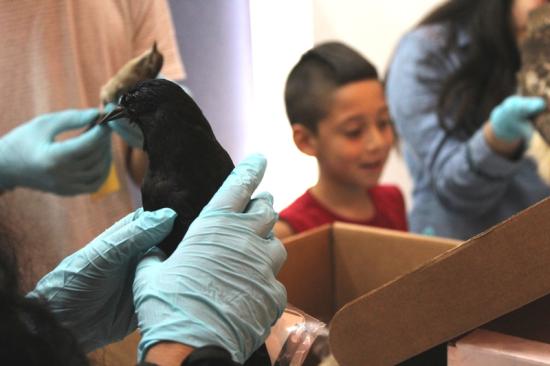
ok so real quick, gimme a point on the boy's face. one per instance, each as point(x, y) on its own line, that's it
point(353, 141)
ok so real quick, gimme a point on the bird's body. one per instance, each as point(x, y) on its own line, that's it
point(187, 164)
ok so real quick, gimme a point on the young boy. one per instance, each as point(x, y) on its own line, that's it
point(338, 112)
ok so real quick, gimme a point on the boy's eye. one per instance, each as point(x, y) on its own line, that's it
point(354, 133)
point(384, 123)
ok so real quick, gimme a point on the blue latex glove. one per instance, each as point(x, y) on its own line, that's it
point(30, 156)
point(90, 292)
point(130, 132)
point(219, 286)
point(510, 119)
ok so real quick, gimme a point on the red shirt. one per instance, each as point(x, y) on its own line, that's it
point(307, 212)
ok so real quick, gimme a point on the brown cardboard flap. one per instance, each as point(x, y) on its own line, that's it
point(366, 258)
point(307, 273)
point(464, 288)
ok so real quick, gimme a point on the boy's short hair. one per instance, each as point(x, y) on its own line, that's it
point(317, 75)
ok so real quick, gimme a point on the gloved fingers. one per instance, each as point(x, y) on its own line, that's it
point(86, 143)
point(69, 119)
point(109, 108)
point(89, 178)
point(260, 210)
point(277, 252)
point(99, 160)
point(526, 129)
point(152, 258)
point(122, 222)
point(68, 169)
point(79, 163)
point(87, 157)
point(145, 231)
point(76, 188)
point(524, 107)
point(235, 193)
point(92, 178)
point(129, 132)
point(280, 298)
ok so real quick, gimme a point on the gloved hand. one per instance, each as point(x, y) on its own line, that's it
point(130, 132)
point(219, 286)
point(90, 292)
point(30, 156)
point(510, 119)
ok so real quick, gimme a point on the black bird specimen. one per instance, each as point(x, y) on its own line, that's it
point(187, 164)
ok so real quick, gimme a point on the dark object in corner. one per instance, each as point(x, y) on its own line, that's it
point(436, 356)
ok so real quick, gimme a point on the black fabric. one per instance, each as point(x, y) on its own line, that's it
point(209, 356)
point(218, 356)
point(260, 357)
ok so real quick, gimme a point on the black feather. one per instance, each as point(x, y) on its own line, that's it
point(187, 164)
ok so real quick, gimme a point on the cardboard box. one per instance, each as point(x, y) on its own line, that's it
point(329, 266)
point(388, 315)
point(487, 348)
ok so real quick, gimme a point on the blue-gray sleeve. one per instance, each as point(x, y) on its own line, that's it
point(467, 176)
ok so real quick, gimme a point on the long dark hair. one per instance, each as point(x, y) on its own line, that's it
point(487, 74)
point(29, 333)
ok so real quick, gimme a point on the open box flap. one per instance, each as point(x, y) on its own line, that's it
point(488, 276)
point(365, 258)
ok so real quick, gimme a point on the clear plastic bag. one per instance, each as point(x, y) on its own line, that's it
point(298, 339)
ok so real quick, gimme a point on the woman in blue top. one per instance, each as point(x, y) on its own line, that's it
point(464, 136)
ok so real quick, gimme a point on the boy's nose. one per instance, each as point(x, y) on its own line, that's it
point(375, 139)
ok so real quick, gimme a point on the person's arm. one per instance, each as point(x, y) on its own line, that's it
point(467, 176)
point(168, 353)
point(218, 288)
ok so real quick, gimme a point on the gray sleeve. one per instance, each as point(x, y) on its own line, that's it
point(466, 176)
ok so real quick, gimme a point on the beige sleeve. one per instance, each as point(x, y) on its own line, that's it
point(152, 21)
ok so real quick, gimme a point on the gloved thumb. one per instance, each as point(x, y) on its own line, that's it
point(151, 258)
point(236, 190)
point(528, 106)
point(147, 229)
point(526, 130)
point(70, 119)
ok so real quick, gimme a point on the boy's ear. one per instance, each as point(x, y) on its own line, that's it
point(304, 139)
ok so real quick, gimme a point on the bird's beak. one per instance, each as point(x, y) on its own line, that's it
point(116, 113)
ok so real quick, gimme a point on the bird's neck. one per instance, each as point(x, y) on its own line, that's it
point(164, 148)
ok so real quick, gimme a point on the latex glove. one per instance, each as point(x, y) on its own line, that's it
point(510, 119)
point(90, 292)
point(30, 156)
point(219, 286)
point(130, 132)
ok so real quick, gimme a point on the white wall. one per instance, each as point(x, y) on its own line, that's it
point(280, 32)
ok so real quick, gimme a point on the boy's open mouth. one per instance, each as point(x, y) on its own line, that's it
point(373, 165)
